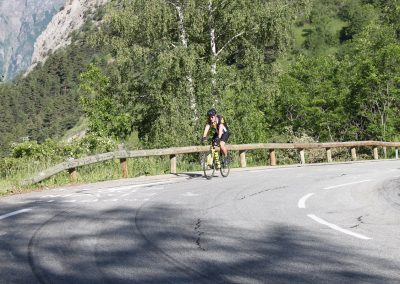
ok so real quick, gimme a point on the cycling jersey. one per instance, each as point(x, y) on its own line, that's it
point(220, 120)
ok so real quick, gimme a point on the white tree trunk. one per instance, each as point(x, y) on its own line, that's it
point(184, 40)
point(214, 54)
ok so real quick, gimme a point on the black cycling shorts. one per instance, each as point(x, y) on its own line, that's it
point(224, 137)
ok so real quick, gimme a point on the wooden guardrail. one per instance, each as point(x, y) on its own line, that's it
point(123, 155)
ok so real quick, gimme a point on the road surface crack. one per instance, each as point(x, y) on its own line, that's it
point(199, 233)
point(261, 192)
point(360, 221)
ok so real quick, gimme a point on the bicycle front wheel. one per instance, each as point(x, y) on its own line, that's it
point(207, 164)
point(225, 168)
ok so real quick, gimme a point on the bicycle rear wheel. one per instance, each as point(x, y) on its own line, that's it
point(225, 168)
point(207, 164)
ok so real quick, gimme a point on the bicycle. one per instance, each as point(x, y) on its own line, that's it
point(213, 160)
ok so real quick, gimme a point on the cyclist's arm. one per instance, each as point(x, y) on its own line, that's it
point(221, 130)
point(206, 129)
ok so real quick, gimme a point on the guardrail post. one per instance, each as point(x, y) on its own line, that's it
point(124, 167)
point(272, 157)
point(72, 175)
point(376, 156)
point(329, 155)
point(302, 157)
point(384, 152)
point(353, 154)
point(72, 164)
point(173, 163)
point(396, 150)
point(242, 155)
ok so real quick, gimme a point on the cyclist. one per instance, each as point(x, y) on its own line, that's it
point(221, 131)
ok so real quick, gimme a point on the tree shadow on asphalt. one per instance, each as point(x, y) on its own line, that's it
point(189, 175)
point(160, 243)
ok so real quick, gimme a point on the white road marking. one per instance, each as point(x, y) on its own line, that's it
point(49, 196)
point(190, 194)
point(143, 185)
point(302, 201)
point(337, 228)
point(24, 202)
point(350, 183)
point(15, 213)
point(112, 192)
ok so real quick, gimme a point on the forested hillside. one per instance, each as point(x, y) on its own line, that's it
point(21, 21)
point(45, 103)
point(328, 70)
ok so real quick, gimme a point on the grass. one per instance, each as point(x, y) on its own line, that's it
point(18, 171)
point(21, 169)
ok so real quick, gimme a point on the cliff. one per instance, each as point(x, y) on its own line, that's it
point(21, 22)
point(32, 29)
point(58, 32)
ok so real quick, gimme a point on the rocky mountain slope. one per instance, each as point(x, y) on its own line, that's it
point(32, 29)
point(57, 34)
point(21, 22)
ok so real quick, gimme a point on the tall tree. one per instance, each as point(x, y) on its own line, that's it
point(171, 60)
point(375, 67)
point(312, 99)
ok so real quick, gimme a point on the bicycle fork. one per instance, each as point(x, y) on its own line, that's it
point(216, 157)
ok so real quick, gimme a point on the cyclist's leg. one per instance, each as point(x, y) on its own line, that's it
point(224, 149)
point(213, 143)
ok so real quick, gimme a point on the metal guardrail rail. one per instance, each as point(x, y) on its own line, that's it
point(123, 155)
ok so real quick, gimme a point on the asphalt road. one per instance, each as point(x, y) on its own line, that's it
point(335, 223)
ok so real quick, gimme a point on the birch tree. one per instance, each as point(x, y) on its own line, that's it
point(240, 27)
point(171, 60)
point(180, 8)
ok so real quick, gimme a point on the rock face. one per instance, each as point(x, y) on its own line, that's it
point(32, 29)
point(21, 22)
point(57, 34)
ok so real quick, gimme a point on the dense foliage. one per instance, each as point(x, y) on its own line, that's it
point(353, 93)
point(328, 70)
point(45, 103)
point(175, 59)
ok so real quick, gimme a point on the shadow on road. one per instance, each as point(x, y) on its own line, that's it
point(162, 243)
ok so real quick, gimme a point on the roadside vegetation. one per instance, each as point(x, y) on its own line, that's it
point(143, 73)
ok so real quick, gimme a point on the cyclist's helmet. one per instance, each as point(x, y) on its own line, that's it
point(211, 112)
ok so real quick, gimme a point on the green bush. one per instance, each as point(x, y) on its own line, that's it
point(59, 150)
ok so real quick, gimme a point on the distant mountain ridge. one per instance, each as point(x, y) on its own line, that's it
point(57, 34)
point(21, 22)
point(31, 29)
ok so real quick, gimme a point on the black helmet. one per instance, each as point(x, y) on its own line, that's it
point(211, 112)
